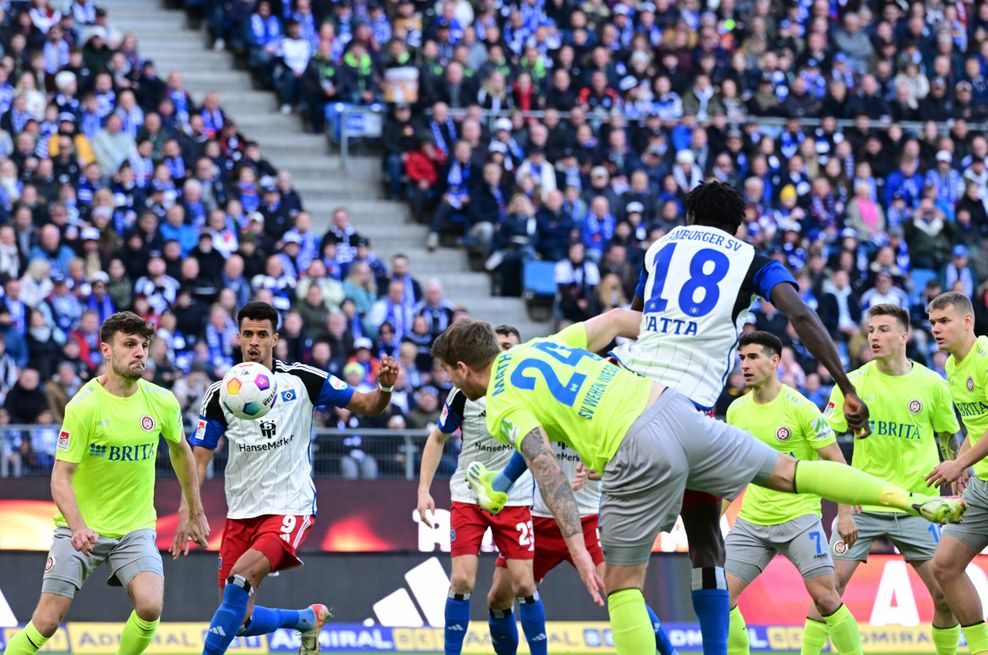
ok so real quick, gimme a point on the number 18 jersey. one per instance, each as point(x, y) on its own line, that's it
point(697, 285)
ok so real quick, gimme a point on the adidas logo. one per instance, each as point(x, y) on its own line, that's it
point(455, 628)
point(218, 630)
point(540, 637)
point(428, 584)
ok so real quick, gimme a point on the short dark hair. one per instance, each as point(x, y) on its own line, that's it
point(508, 331)
point(258, 311)
point(888, 309)
point(467, 341)
point(128, 323)
point(771, 343)
point(714, 204)
point(955, 298)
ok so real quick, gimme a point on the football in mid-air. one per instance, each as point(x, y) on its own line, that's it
point(248, 390)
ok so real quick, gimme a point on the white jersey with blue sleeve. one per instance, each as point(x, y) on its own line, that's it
point(697, 284)
point(269, 466)
point(470, 417)
point(587, 497)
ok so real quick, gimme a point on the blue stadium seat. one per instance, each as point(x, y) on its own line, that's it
point(539, 289)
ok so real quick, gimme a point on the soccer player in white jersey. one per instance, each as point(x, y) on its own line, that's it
point(697, 285)
point(271, 500)
point(512, 528)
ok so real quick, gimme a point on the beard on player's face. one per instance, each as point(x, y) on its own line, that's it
point(127, 368)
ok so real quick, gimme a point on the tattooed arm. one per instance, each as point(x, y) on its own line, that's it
point(559, 498)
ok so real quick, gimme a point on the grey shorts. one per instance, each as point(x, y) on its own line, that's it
point(671, 448)
point(750, 547)
point(973, 530)
point(67, 569)
point(915, 537)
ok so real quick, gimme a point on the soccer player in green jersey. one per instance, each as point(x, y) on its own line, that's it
point(649, 441)
point(771, 522)
point(103, 485)
point(952, 323)
point(910, 409)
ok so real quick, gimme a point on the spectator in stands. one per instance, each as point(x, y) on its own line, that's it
point(26, 401)
point(456, 194)
point(576, 278)
point(437, 311)
point(294, 54)
point(393, 308)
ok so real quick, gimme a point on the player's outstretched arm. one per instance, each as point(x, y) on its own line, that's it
point(813, 333)
point(558, 496)
point(375, 402)
point(192, 522)
point(83, 539)
point(432, 453)
point(603, 328)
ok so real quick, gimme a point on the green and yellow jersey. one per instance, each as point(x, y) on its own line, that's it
point(907, 411)
point(792, 425)
point(968, 381)
point(114, 440)
point(578, 398)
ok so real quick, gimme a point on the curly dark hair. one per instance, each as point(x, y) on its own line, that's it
point(128, 323)
point(714, 204)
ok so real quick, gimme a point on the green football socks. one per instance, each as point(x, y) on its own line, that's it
point(630, 626)
point(26, 642)
point(977, 637)
point(136, 636)
point(945, 640)
point(849, 486)
point(815, 635)
point(737, 638)
point(844, 632)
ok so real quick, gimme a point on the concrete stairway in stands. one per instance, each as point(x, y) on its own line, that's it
point(164, 37)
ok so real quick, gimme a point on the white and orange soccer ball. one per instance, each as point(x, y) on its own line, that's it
point(248, 390)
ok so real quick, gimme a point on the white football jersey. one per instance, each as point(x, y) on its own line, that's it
point(478, 446)
point(697, 284)
point(588, 496)
point(269, 465)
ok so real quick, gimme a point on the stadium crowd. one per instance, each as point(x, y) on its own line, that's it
point(570, 132)
point(556, 130)
point(118, 191)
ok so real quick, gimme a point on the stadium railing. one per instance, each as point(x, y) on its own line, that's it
point(352, 453)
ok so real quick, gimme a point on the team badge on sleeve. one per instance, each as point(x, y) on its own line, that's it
point(337, 383)
point(915, 406)
point(444, 415)
point(829, 411)
point(63, 440)
point(508, 431)
point(200, 429)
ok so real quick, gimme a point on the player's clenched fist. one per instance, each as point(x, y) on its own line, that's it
point(84, 540)
point(388, 373)
point(856, 413)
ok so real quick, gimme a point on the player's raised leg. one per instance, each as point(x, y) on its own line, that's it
point(843, 484)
